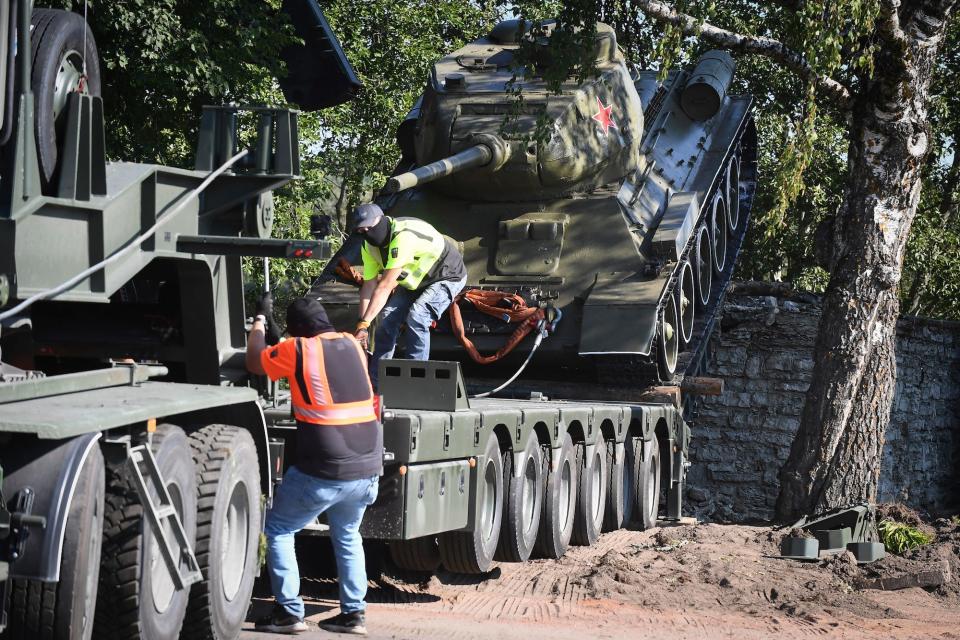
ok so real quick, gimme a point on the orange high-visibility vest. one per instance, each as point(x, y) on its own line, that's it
point(328, 378)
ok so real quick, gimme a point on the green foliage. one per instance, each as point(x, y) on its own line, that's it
point(898, 537)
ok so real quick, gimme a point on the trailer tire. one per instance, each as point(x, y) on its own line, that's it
point(60, 40)
point(131, 577)
point(648, 483)
point(617, 482)
point(559, 503)
point(416, 554)
point(472, 551)
point(64, 610)
point(228, 528)
point(591, 495)
point(522, 505)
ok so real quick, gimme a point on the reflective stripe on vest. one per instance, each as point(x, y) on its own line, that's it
point(314, 402)
point(428, 246)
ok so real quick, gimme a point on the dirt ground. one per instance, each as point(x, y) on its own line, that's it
point(700, 581)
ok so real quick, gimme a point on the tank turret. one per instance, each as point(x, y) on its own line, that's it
point(594, 129)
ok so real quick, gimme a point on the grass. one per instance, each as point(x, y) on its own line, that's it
point(898, 537)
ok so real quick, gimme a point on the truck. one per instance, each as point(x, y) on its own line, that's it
point(135, 459)
point(137, 454)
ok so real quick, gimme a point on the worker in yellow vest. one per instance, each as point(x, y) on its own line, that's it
point(411, 274)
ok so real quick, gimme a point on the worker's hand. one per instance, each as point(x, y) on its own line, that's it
point(265, 306)
point(363, 337)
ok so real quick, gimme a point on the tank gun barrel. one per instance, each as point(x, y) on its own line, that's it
point(476, 156)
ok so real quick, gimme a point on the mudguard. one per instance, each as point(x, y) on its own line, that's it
point(51, 468)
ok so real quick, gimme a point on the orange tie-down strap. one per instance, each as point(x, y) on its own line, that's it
point(490, 302)
point(346, 271)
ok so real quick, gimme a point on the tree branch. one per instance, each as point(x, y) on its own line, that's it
point(890, 23)
point(759, 45)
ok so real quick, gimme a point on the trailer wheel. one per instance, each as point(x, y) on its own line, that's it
point(228, 528)
point(472, 551)
point(137, 598)
point(62, 49)
point(648, 483)
point(592, 495)
point(416, 554)
point(559, 503)
point(617, 483)
point(64, 610)
point(522, 505)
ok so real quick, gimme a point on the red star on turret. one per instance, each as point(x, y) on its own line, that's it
point(604, 116)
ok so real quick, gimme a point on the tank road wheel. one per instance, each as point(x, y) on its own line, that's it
point(592, 495)
point(416, 554)
point(137, 598)
point(63, 48)
point(668, 339)
point(64, 610)
point(702, 266)
point(733, 195)
point(648, 483)
point(228, 531)
point(718, 232)
point(472, 551)
point(522, 504)
point(559, 502)
point(686, 300)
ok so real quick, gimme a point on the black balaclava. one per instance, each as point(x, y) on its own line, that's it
point(306, 318)
point(379, 234)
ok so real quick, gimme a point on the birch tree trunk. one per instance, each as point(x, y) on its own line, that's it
point(835, 458)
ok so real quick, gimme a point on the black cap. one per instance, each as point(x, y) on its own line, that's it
point(366, 215)
point(306, 318)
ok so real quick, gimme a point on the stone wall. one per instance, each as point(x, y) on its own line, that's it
point(764, 355)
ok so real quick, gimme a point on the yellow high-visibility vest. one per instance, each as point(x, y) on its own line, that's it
point(415, 247)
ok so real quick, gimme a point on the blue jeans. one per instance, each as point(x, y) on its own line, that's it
point(298, 501)
point(419, 309)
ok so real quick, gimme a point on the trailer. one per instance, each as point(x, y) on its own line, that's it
point(468, 482)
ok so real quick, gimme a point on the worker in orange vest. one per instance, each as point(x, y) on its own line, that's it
point(339, 458)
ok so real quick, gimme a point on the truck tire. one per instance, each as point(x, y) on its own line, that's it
point(417, 554)
point(522, 505)
point(648, 484)
point(472, 551)
point(64, 610)
point(559, 503)
point(61, 45)
point(228, 531)
point(591, 495)
point(137, 599)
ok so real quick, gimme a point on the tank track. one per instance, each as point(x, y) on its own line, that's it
point(634, 370)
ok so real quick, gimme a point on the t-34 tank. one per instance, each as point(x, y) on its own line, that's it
point(627, 219)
